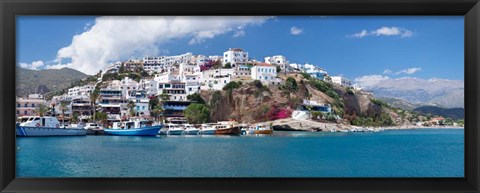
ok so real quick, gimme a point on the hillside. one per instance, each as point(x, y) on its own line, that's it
point(251, 103)
point(45, 81)
point(454, 113)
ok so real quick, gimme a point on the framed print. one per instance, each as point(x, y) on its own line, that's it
point(212, 96)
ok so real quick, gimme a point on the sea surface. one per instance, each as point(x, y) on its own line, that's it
point(392, 153)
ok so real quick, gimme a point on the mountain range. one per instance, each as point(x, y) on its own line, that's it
point(44, 81)
point(415, 92)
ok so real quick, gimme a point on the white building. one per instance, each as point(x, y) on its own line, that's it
point(201, 60)
point(26, 106)
point(81, 90)
point(341, 81)
point(215, 82)
point(128, 85)
point(175, 89)
point(235, 56)
point(266, 73)
point(192, 83)
point(163, 63)
point(296, 66)
point(187, 69)
point(278, 60)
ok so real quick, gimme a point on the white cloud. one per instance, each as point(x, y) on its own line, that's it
point(409, 71)
point(32, 66)
point(239, 34)
point(57, 66)
point(361, 34)
point(370, 80)
point(296, 31)
point(387, 71)
point(384, 31)
point(116, 38)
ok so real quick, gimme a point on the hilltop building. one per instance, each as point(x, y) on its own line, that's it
point(266, 73)
point(235, 56)
point(341, 81)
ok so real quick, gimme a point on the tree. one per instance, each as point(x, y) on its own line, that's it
point(164, 97)
point(279, 69)
point(121, 69)
point(74, 118)
point(228, 65)
point(157, 112)
point(131, 106)
point(258, 83)
point(93, 99)
point(197, 113)
point(63, 107)
point(102, 117)
point(196, 97)
point(152, 103)
point(41, 109)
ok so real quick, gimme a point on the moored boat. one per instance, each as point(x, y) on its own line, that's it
point(190, 130)
point(171, 129)
point(133, 128)
point(262, 129)
point(207, 129)
point(227, 128)
point(46, 126)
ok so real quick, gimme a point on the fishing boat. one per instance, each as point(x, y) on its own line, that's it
point(206, 129)
point(46, 126)
point(190, 130)
point(133, 128)
point(227, 128)
point(262, 129)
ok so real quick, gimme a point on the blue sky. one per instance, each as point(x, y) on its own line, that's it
point(423, 46)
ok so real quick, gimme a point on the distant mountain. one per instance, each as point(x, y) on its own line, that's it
point(454, 113)
point(432, 92)
point(399, 103)
point(44, 81)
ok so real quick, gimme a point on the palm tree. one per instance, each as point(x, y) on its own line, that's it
point(41, 109)
point(93, 98)
point(74, 118)
point(63, 107)
point(131, 105)
point(157, 111)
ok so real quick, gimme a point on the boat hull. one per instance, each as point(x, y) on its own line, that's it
point(146, 131)
point(26, 131)
point(191, 132)
point(263, 131)
point(228, 131)
point(175, 132)
point(208, 132)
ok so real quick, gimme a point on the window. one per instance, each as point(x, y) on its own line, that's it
point(25, 112)
point(25, 105)
point(18, 112)
point(33, 105)
point(18, 104)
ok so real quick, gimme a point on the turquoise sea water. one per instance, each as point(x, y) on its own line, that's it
point(395, 153)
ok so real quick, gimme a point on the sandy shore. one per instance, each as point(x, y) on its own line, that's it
point(309, 125)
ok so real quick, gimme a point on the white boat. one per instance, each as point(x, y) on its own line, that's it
point(46, 126)
point(190, 130)
point(171, 129)
point(206, 129)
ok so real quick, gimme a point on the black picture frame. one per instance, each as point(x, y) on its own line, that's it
point(9, 9)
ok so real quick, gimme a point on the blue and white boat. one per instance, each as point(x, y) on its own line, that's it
point(190, 130)
point(46, 126)
point(207, 129)
point(133, 128)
